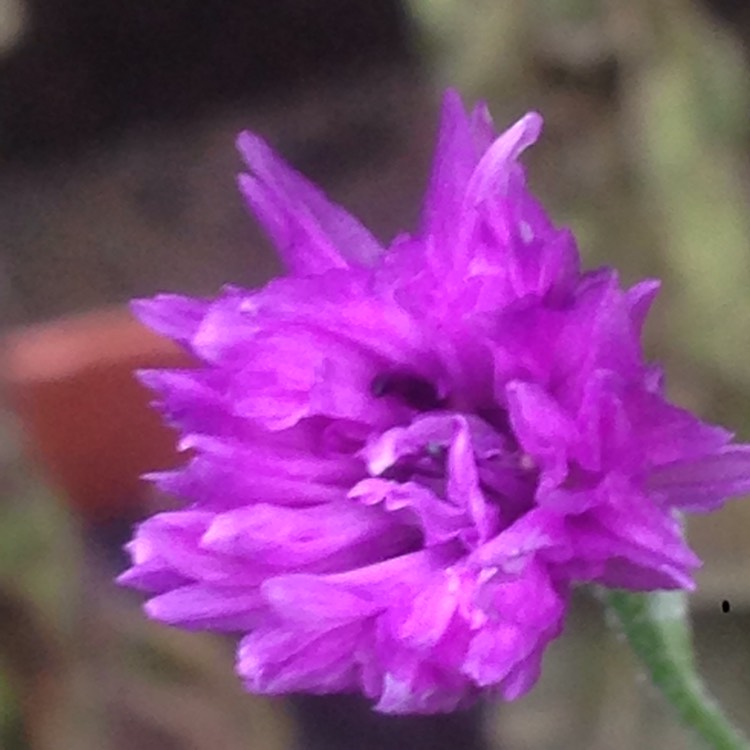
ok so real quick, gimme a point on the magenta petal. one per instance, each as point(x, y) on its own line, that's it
point(463, 484)
point(413, 504)
point(544, 430)
point(426, 619)
point(461, 143)
point(528, 598)
point(527, 612)
point(639, 548)
point(640, 299)
point(384, 451)
point(224, 480)
point(704, 484)
point(320, 375)
point(316, 600)
point(191, 400)
point(392, 579)
point(429, 433)
point(311, 233)
point(152, 576)
point(273, 660)
point(424, 690)
point(667, 433)
point(172, 315)
point(199, 607)
point(494, 170)
point(495, 651)
point(172, 542)
point(538, 531)
point(522, 677)
point(333, 536)
point(558, 268)
point(604, 425)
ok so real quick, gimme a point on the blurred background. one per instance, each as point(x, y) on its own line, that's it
point(117, 164)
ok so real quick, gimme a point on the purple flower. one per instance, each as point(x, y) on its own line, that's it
point(404, 457)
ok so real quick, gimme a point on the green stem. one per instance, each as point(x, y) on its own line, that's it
point(656, 626)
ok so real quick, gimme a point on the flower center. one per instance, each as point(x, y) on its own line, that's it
point(414, 390)
point(460, 476)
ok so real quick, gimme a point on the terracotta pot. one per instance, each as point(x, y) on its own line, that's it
point(84, 415)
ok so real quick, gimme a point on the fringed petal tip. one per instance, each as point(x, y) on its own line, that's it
point(493, 173)
point(311, 233)
point(172, 315)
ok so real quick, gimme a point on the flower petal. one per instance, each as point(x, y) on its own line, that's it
point(274, 660)
point(334, 536)
point(200, 606)
point(494, 170)
point(704, 484)
point(173, 315)
point(414, 504)
point(461, 143)
point(311, 233)
point(544, 430)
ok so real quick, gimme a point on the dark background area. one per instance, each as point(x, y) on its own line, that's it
point(87, 70)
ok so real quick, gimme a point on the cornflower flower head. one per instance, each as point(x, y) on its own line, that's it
point(403, 457)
